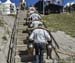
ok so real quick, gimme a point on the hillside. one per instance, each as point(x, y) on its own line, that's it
point(63, 22)
point(63, 27)
point(5, 35)
point(55, 22)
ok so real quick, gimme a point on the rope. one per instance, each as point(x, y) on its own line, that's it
point(65, 53)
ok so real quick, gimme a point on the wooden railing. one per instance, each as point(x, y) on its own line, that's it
point(13, 41)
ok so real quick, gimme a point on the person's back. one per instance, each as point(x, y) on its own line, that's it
point(40, 36)
point(32, 8)
point(33, 16)
point(35, 24)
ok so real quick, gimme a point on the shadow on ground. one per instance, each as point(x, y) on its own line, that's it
point(25, 57)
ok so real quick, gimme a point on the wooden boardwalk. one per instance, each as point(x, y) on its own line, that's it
point(65, 42)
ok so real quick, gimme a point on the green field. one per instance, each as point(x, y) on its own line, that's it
point(62, 22)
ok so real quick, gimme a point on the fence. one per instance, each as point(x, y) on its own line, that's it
point(12, 45)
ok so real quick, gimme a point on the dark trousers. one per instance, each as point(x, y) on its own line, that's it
point(39, 50)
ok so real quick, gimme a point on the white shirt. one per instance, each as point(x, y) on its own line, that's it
point(31, 12)
point(35, 23)
point(35, 16)
point(40, 36)
point(32, 8)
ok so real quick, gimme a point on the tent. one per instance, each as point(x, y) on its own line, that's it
point(49, 6)
point(33, 2)
point(72, 3)
point(30, 3)
point(67, 5)
point(17, 2)
point(8, 7)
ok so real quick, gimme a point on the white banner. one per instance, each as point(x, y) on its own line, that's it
point(57, 2)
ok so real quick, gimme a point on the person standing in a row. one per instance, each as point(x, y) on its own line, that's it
point(40, 38)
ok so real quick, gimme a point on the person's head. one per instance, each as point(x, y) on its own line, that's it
point(36, 19)
point(32, 8)
point(41, 26)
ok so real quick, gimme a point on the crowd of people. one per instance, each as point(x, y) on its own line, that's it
point(38, 35)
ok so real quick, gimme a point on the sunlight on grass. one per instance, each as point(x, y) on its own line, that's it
point(62, 22)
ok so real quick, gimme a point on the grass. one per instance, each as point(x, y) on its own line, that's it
point(63, 22)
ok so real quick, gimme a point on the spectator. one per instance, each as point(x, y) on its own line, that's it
point(11, 8)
